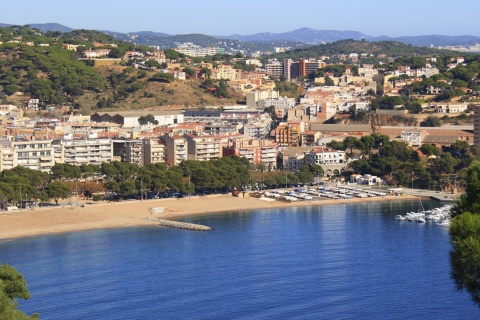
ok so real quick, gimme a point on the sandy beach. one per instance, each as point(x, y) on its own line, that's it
point(134, 213)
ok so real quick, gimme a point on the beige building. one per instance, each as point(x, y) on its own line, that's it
point(35, 154)
point(225, 72)
point(153, 151)
point(288, 133)
point(83, 151)
point(175, 149)
point(254, 96)
point(204, 148)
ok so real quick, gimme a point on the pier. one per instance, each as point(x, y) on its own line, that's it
point(181, 225)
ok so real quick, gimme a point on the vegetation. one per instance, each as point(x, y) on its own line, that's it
point(54, 75)
point(465, 236)
point(390, 48)
point(452, 82)
point(149, 118)
point(431, 121)
point(398, 164)
point(12, 287)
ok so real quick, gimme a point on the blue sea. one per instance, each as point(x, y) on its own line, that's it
point(345, 261)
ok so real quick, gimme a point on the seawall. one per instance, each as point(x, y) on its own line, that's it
point(181, 225)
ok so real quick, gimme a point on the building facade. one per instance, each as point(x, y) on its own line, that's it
point(257, 151)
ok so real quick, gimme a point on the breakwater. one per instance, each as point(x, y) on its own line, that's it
point(181, 225)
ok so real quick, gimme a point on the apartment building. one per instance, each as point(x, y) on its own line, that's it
point(274, 69)
point(175, 149)
point(225, 72)
point(153, 151)
point(258, 129)
point(83, 151)
point(257, 151)
point(309, 138)
point(254, 96)
point(34, 154)
point(193, 50)
point(221, 128)
point(129, 151)
point(288, 133)
point(204, 148)
point(86, 128)
point(307, 66)
point(279, 103)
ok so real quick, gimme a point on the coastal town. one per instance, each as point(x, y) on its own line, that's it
point(272, 131)
point(228, 163)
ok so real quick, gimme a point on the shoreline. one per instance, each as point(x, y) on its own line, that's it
point(49, 221)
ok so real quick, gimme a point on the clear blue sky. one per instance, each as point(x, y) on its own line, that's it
point(226, 17)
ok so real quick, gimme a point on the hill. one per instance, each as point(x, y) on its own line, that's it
point(164, 41)
point(431, 40)
point(294, 38)
point(390, 48)
point(305, 35)
point(55, 75)
point(43, 26)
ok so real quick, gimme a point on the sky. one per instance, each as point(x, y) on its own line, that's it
point(227, 17)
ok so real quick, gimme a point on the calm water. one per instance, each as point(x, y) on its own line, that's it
point(330, 262)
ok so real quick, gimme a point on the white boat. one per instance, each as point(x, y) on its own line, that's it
point(421, 220)
point(444, 223)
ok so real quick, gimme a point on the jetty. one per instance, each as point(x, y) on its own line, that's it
point(181, 225)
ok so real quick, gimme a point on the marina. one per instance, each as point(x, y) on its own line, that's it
point(441, 216)
point(319, 193)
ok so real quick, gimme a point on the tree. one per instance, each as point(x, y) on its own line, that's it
point(152, 63)
point(12, 287)
point(189, 71)
point(465, 256)
point(429, 149)
point(367, 144)
point(57, 190)
point(149, 118)
point(116, 53)
point(465, 236)
point(470, 200)
point(431, 121)
point(329, 82)
point(414, 107)
point(163, 77)
point(350, 142)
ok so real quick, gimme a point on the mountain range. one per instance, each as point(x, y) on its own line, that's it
point(301, 37)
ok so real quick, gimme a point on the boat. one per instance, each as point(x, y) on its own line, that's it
point(444, 223)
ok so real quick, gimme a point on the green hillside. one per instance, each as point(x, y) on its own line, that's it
point(30, 68)
point(390, 48)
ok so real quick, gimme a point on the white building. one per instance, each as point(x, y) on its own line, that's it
point(254, 96)
point(258, 129)
point(321, 156)
point(279, 103)
point(414, 138)
point(35, 154)
point(83, 151)
point(365, 179)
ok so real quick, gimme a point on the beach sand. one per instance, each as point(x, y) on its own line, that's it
point(134, 213)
